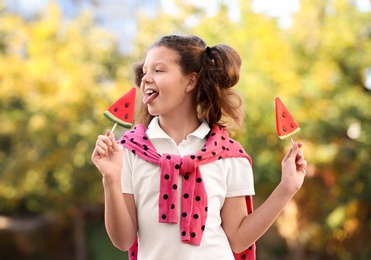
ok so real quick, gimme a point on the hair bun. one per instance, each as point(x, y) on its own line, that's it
point(227, 64)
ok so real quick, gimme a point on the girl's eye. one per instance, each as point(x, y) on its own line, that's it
point(158, 71)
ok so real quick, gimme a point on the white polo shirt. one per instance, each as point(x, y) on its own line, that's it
point(224, 178)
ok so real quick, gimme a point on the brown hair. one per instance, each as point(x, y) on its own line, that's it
point(218, 70)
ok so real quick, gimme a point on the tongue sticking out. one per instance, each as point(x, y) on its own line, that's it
point(149, 98)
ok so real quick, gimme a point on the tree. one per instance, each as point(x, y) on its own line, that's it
point(331, 60)
point(57, 78)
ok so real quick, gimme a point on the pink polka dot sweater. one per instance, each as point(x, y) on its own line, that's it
point(194, 196)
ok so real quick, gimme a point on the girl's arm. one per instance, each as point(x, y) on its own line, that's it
point(120, 210)
point(242, 229)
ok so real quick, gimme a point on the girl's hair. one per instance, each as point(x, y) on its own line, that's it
point(218, 70)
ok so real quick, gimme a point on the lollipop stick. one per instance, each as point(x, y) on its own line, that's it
point(114, 126)
point(292, 141)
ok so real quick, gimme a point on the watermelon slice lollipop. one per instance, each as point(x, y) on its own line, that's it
point(122, 111)
point(286, 125)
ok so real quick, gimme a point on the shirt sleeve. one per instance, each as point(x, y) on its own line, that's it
point(126, 172)
point(240, 179)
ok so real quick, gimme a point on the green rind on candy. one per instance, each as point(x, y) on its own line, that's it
point(114, 119)
point(290, 135)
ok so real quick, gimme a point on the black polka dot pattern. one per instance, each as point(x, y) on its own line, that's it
point(133, 251)
point(194, 201)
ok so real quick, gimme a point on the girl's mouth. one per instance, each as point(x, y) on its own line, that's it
point(149, 96)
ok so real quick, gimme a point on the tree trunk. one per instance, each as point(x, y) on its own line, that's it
point(79, 234)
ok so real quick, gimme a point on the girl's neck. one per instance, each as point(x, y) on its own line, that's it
point(179, 128)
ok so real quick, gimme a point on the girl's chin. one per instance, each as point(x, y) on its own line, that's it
point(152, 112)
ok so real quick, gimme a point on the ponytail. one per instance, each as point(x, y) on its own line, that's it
point(220, 71)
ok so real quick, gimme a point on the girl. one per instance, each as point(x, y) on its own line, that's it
point(177, 180)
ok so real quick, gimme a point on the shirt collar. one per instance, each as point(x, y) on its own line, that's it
point(155, 131)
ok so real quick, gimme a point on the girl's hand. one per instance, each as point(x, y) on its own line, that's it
point(293, 168)
point(107, 155)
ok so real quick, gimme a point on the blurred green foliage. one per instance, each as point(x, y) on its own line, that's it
point(57, 77)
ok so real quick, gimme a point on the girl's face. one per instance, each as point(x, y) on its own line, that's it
point(166, 90)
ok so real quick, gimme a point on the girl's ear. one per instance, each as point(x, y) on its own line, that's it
point(192, 82)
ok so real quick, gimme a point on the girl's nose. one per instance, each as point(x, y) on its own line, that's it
point(147, 78)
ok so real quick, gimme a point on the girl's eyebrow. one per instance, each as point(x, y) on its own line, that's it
point(158, 63)
point(154, 65)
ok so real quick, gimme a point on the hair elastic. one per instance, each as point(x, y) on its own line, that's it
point(208, 50)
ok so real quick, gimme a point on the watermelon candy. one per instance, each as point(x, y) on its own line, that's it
point(286, 125)
point(122, 111)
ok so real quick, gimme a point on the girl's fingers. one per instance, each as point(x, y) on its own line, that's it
point(301, 163)
point(110, 140)
point(292, 153)
point(288, 154)
point(105, 138)
point(295, 156)
point(299, 157)
point(304, 166)
point(105, 144)
point(100, 152)
point(115, 146)
point(102, 144)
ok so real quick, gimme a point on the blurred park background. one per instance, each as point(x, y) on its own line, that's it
point(62, 63)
